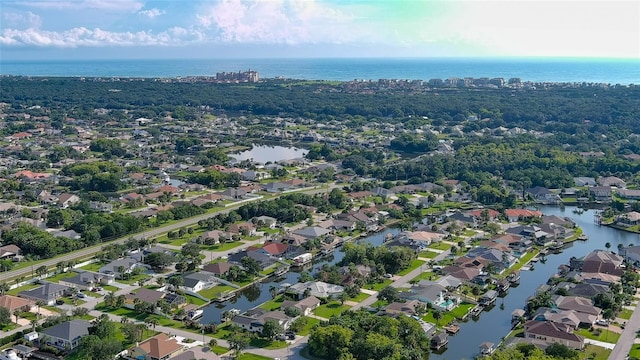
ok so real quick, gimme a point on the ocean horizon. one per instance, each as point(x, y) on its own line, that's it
point(612, 71)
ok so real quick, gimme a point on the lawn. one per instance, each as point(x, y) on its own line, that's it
point(461, 310)
point(600, 335)
point(268, 344)
point(213, 292)
point(625, 314)
point(446, 318)
point(223, 331)
point(110, 288)
point(523, 260)
point(635, 351)
point(95, 266)
point(377, 286)
point(9, 326)
point(219, 350)
point(360, 297)
point(194, 300)
point(311, 322)
point(440, 246)
point(248, 356)
point(57, 277)
point(134, 279)
point(222, 247)
point(330, 309)
point(273, 304)
point(414, 265)
point(600, 352)
point(428, 254)
point(15, 291)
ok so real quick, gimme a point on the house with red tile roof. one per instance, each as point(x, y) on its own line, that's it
point(514, 215)
point(159, 347)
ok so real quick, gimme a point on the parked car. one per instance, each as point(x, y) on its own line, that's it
point(602, 322)
point(59, 302)
point(81, 295)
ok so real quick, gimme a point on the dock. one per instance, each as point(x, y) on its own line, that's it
point(452, 329)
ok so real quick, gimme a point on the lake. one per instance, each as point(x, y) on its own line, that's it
point(496, 323)
point(265, 153)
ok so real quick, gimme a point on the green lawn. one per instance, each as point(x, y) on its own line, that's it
point(110, 288)
point(414, 265)
point(134, 279)
point(427, 275)
point(600, 335)
point(194, 300)
point(268, 344)
point(57, 277)
point(273, 304)
point(600, 352)
point(311, 322)
point(523, 260)
point(378, 286)
point(95, 267)
point(635, 351)
point(446, 318)
point(625, 314)
point(223, 331)
point(428, 254)
point(219, 350)
point(440, 246)
point(248, 356)
point(461, 310)
point(9, 326)
point(360, 297)
point(213, 292)
point(328, 310)
point(222, 247)
point(15, 291)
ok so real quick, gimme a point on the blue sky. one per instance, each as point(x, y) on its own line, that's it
point(77, 29)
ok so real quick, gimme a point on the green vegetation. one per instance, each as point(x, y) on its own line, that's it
point(330, 309)
point(214, 292)
point(414, 265)
point(605, 335)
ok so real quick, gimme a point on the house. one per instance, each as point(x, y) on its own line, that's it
point(10, 251)
point(318, 289)
point(253, 320)
point(600, 261)
point(276, 186)
point(218, 269)
point(243, 227)
point(430, 292)
point(66, 200)
point(612, 181)
point(13, 303)
point(628, 219)
point(197, 352)
point(197, 281)
point(628, 194)
point(601, 193)
point(439, 341)
point(265, 221)
point(66, 335)
point(514, 215)
point(306, 305)
point(402, 308)
point(121, 266)
point(487, 348)
point(205, 199)
point(382, 192)
point(564, 317)
point(542, 194)
point(159, 347)
point(100, 206)
point(233, 194)
point(47, 293)
point(215, 236)
point(630, 253)
point(263, 259)
point(86, 280)
point(144, 295)
point(545, 333)
point(489, 298)
point(271, 249)
point(584, 181)
point(312, 232)
point(576, 303)
point(484, 214)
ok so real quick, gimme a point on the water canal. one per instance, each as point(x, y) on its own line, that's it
point(265, 153)
point(492, 325)
point(256, 295)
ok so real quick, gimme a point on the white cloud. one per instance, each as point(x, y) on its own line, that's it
point(21, 19)
point(280, 21)
point(81, 36)
point(109, 5)
point(152, 13)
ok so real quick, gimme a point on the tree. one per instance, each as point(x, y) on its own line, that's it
point(92, 347)
point(103, 327)
point(5, 316)
point(343, 297)
point(238, 342)
point(110, 299)
point(159, 260)
point(17, 313)
point(79, 311)
point(41, 271)
point(437, 315)
point(329, 341)
point(190, 250)
point(271, 328)
point(4, 287)
point(213, 343)
point(251, 265)
point(389, 294)
point(176, 281)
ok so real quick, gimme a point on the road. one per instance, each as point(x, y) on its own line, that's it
point(628, 336)
point(88, 251)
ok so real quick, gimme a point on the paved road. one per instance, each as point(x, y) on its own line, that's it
point(87, 252)
point(628, 336)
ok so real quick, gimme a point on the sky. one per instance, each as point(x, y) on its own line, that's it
point(138, 29)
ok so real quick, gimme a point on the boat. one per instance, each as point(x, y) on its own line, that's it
point(194, 314)
point(475, 312)
point(281, 270)
point(583, 237)
point(225, 296)
point(534, 259)
point(9, 354)
point(452, 329)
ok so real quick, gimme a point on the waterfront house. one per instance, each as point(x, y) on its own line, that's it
point(439, 341)
point(628, 219)
point(515, 215)
point(306, 305)
point(432, 293)
point(489, 298)
point(584, 181)
point(628, 194)
point(545, 333)
point(159, 347)
point(600, 261)
point(254, 319)
point(402, 308)
point(575, 303)
point(612, 181)
point(318, 289)
point(66, 335)
point(197, 281)
point(218, 269)
point(601, 193)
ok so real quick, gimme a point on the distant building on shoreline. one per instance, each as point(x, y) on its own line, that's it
point(241, 76)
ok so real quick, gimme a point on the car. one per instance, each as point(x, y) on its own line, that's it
point(81, 295)
point(59, 302)
point(388, 276)
point(99, 288)
point(602, 322)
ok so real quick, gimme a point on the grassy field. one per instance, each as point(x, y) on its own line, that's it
point(273, 304)
point(222, 247)
point(248, 356)
point(213, 292)
point(428, 254)
point(523, 260)
point(414, 265)
point(219, 350)
point(361, 296)
point(311, 322)
point(268, 344)
point(635, 351)
point(377, 286)
point(328, 310)
point(600, 352)
point(440, 246)
point(462, 310)
point(625, 314)
point(15, 291)
point(95, 267)
point(446, 318)
point(603, 335)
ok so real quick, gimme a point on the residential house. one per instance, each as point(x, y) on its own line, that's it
point(253, 320)
point(205, 199)
point(318, 289)
point(311, 232)
point(576, 303)
point(159, 347)
point(13, 303)
point(545, 333)
point(271, 249)
point(630, 253)
point(483, 214)
point(584, 181)
point(215, 237)
point(416, 240)
point(612, 181)
point(245, 226)
point(86, 280)
point(465, 274)
point(402, 308)
point(439, 341)
point(544, 195)
point(628, 219)
point(601, 193)
point(121, 266)
point(628, 194)
point(66, 200)
point(101, 206)
point(66, 335)
point(430, 292)
point(197, 281)
point(515, 215)
point(10, 251)
point(585, 290)
point(47, 293)
point(233, 194)
point(564, 317)
point(601, 261)
point(262, 259)
point(306, 305)
point(265, 221)
point(382, 192)
point(218, 269)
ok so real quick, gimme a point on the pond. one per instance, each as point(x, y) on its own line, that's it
point(496, 323)
point(265, 153)
point(258, 294)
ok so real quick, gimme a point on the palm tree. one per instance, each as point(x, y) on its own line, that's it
point(4, 287)
point(273, 291)
point(607, 245)
point(39, 304)
point(110, 298)
point(17, 313)
point(437, 315)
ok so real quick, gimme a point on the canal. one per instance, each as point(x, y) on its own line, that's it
point(255, 295)
point(492, 325)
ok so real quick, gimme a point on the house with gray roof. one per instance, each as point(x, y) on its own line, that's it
point(121, 266)
point(312, 232)
point(196, 281)
point(254, 319)
point(66, 335)
point(86, 280)
point(319, 289)
point(47, 293)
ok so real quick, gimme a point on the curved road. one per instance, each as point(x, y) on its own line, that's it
point(88, 251)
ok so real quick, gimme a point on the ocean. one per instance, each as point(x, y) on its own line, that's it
point(528, 69)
